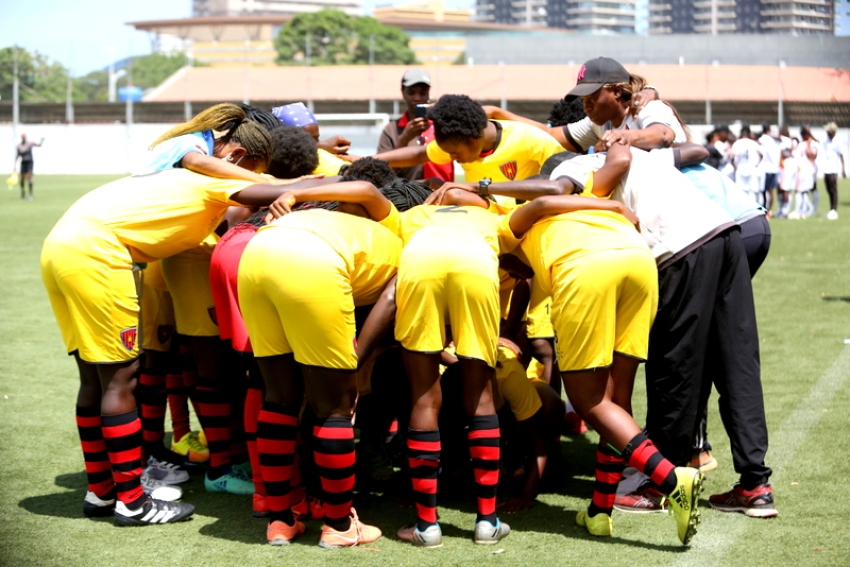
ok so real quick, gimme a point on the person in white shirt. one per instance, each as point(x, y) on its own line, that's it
point(831, 163)
point(787, 172)
point(806, 153)
point(771, 147)
point(746, 157)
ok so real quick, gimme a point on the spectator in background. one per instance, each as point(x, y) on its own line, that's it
point(24, 153)
point(414, 129)
point(746, 157)
point(296, 114)
point(787, 172)
point(771, 148)
point(831, 162)
point(806, 153)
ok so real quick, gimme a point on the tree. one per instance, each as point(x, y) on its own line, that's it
point(149, 71)
point(335, 38)
point(39, 80)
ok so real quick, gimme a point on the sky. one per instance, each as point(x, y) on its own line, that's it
point(84, 35)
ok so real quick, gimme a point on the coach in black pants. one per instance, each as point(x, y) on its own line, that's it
point(705, 333)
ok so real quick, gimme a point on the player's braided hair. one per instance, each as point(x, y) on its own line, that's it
point(295, 152)
point(375, 171)
point(404, 194)
point(221, 117)
point(262, 117)
point(256, 141)
point(457, 117)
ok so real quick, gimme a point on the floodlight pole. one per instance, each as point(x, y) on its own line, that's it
point(16, 110)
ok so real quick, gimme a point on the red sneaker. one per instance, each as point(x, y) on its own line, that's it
point(755, 503)
point(573, 424)
point(645, 500)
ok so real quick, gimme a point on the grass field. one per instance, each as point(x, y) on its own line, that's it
point(803, 302)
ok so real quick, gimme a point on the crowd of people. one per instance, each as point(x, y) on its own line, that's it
point(290, 292)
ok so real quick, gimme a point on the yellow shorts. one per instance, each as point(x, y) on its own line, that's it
point(603, 303)
point(188, 277)
point(157, 311)
point(514, 388)
point(89, 279)
point(539, 308)
point(296, 297)
point(448, 276)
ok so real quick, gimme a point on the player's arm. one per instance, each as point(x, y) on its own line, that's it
point(378, 323)
point(264, 194)
point(215, 167)
point(407, 156)
point(523, 218)
point(557, 132)
point(618, 160)
point(360, 192)
point(654, 136)
point(527, 190)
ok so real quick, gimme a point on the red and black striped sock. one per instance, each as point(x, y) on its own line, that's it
point(423, 460)
point(151, 397)
point(178, 405)
point(484, 439)
point(277, 431)
point(253, 405)
point(123, 436)
point(333, 452)
point(609, 472)
point(641, 454)
point(98, 467)
point(213, 407)
point(237, 393)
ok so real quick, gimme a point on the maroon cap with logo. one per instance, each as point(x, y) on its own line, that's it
point(595, 74)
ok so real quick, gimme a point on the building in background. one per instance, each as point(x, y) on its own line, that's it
point(202, 8)
point(716, 17)
point(590, 16)
point(842, 17)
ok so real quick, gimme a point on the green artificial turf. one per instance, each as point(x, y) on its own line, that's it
point(803, 302)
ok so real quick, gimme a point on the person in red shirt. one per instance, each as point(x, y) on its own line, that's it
point(414, 129)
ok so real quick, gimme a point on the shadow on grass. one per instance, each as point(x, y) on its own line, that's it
point(61, 504)
point(836, 298)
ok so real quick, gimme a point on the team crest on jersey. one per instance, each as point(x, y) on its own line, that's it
point(163, 333)
point(509, 169)
point(581, 73)
point(128, 338)
point(213, 316)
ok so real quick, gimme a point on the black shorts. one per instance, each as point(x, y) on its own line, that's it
point(26, 167)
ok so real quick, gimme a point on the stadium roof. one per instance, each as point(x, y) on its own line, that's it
point(496, 82)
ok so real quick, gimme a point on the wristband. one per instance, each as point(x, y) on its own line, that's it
point(484, 187)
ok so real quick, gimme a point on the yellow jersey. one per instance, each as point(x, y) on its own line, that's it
point(370, 251)
point(159, 214)
point(329, 164)
point(520, 154)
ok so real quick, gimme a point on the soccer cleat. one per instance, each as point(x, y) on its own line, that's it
point(645, 500)
point(683, 501)
point(309, 509)
point(600, 525)
point(190, 447)
point(573, 424)
point(95, 507)
point(165, 472)
point(755, 503)
point(832, 214)
point(703, 461)
point(201, 437)
point(233, 482)
point(152, 512)
point(356, 534)
point(486, 533)
point(259, 508)
point(431, 538)
point(160, 490)
point(279, 533)
point(244, 469)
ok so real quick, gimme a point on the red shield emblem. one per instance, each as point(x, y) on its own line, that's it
point(213, 316)
point(163, 333)
point(128, 338)
point(509, 169)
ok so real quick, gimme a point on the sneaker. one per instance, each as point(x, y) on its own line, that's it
point(95, 507)
point(683, 501)
point(190, 447)
point(645, 500)
point(201, 437)
point(832, 215)
point(573, 424)
point(259, 508)
point(431, 538)
point(599, 525)
point(756, 503)
point(309, 509)
point(357, 533)
point(244, 469)
point(279, 533)
point(165, 472)
point(488, 534)
point(152, 512)
point(233, 482)
point(160, 490)
point(703, 461)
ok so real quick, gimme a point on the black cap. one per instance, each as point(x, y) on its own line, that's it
point(595, 74)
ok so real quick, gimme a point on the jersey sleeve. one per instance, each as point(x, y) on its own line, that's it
point(170, 153)
point(544, 146)
point(583, 133)
point(656, 112)
point(507, 241)
point(222, 190)
point(436, 154)
point(329, 164)
point(393, 221)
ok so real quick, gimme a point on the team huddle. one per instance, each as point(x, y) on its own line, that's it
point(292, 292)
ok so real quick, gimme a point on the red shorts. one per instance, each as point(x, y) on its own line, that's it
point(224, 267)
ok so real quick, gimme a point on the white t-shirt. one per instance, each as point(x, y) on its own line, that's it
point(673, 213)
point(746, 154)
point(829, 157)
point(585, 133)
point(772, 150)
point(807, 171)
